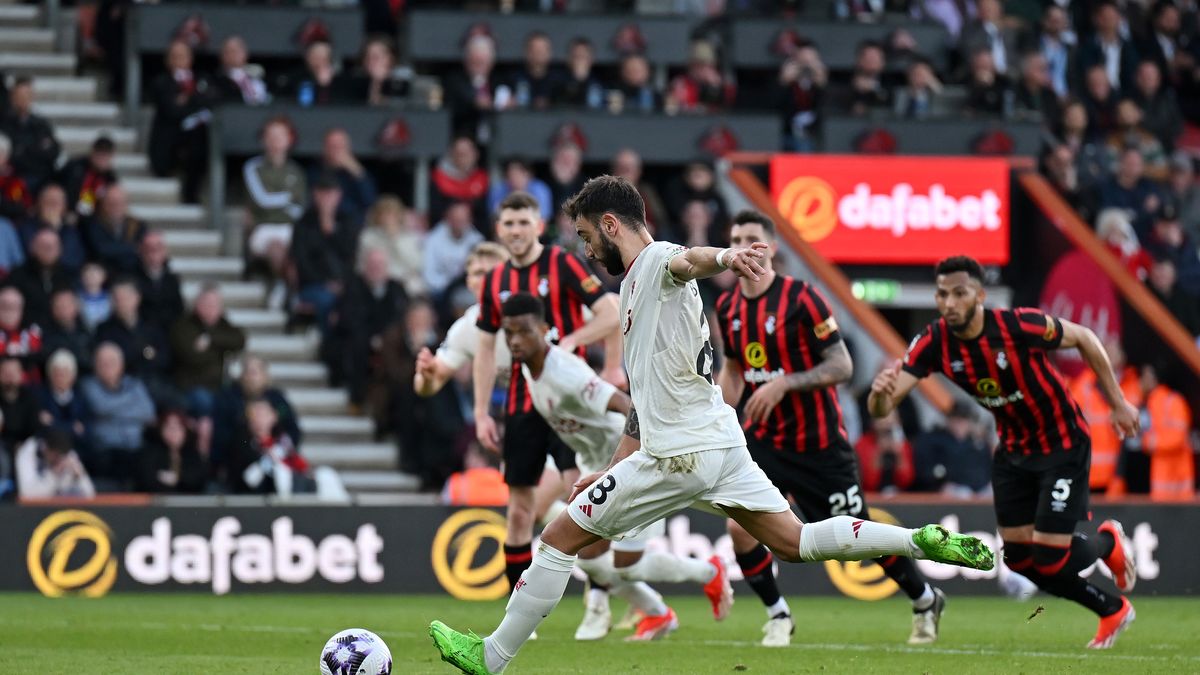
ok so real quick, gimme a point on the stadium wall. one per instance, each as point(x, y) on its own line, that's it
point(94, 551)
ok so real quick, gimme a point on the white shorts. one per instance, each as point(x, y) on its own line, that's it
point(642, 490)
point(265, 234)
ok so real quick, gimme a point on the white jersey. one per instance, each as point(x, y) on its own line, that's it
point(669, 359)
point(462, 341)
point(574, 402)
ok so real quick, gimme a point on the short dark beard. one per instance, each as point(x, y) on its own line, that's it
point(608, 255)
point(966, 322)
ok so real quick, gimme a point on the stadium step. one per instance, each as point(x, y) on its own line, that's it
point(298, 374)
point(193, 242)
point(26, 39)
point(20, 15)
point(352, 456)
point(78, 113)
point(37, 64)
point(146, 190)
point(275, 348)
point(337, 429)
point(211, 268)
point(131, 164)
point(258, 320)
point(316, 401)
point(171, 216)
point(77, 140)
point(379, 481)
point(64, 89)
point(239, 294)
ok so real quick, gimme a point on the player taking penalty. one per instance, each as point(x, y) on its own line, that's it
point(1040, 471)
point(682, 445)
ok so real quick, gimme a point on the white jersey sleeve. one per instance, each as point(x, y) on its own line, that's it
point(462, 341)
point(669, 359)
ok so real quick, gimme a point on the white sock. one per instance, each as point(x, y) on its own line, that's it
point(536, 595)
point(846, 538)
point(600, 569)
point(640, 596)
point(925, 600)
point(597, 597)
point(668, 568)
point(778, 608)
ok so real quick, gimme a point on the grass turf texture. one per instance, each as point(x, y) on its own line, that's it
point(284, 634)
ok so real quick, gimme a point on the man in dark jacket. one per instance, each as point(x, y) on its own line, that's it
point(372, 304)
point(229, 416)
point(162, 298)
point(323, 249)
point(200, 342)
point(143, 343)
point(86, 178)
point(35, 150)
point(41, 274)
point(112, 235)
point(65, 331)
point(17, 402)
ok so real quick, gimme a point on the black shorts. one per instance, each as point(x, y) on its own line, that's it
point(1049, 491)
point(527, 442)
point(823, 484)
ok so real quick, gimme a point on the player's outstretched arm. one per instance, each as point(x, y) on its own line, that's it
point(1124, 414)
point(432, 374)
point(620, 402)
point(484, 378)
point(703, 262)
point(890, 387)
point(604, 326)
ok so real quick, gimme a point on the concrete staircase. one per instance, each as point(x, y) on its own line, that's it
point(334, 437)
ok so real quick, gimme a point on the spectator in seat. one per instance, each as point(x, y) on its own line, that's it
point(237, 81)
point(229, 417)
point(867, 90)
point(471, 92)
point(951, 14)
point(1130, 189)
point(87, 178)
point(200, 342)
point(18, 403)
point(1055, 41)
point(698, 182)
point(1106, 445)
point(19, 336)
point(480, 483)
point(801, 93)
point(94, 299)
point(637, 92)
point(1164, 278)
point(41, 275)
point(457, 177)
point(143, 343)
point(518, 177)
point(1165, 438)
point(701, 88)
point(316, 83)
point(60, 406)
point(1166, 45)
point(1107, 48)
point(392, 231)
point(447, 247)
point(48, 467)
point(323, 250)
point(580, 88)
point(1169, 241)
point(627, 164)
point(919, 99)
point(863, 11)
point(34, 147)
point(1061, 169)
point(15, 197)
point(374, 84)
point(277, 192)
point(66, 332)
point(268, 461)
point(112, 235)
point(50, 212)
point(1101, 100)
point(1131, 133)
point(358, 187)
point(1114, 228)
point(372, 304)
point(1161, 115)
point(988, 90)
point(532, 84)
point(1035, 93)
point(162, 299)
point(885, 457)
point(170, 461)
point(698, 222)
point(1186, 192)
point(989, 33)
point(121, 410)
point(179, 135)
point(1090, 155)
point(564, 179)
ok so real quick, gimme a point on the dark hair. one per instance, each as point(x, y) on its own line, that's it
point(22, 81)
point(519, 161)
point(522, 304)
point(608, 194)
point(58, 439)
point(960, 263)
point(103, 144)
point(579, 41)
point(125, 280)
point(520, 200)
point(538, 35)
point(868, 44)
point(751, 216)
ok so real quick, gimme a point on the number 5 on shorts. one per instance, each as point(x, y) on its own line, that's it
point(599, 492)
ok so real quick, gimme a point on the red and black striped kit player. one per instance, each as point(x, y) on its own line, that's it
point(565, 285)
point(784, 358)
point(1001, 358)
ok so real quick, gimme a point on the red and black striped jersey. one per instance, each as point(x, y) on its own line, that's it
point(1007, 370)
point(783, 331)
point(563, 282)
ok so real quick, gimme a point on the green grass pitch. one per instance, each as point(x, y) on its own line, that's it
point(200, 634)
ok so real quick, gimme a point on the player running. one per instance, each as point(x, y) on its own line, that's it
point(567, 285)
point(784, 358)
point(588, 415)
point(682, 444)
point(1040, 472)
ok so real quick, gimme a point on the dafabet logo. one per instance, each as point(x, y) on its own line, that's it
point(461, 559)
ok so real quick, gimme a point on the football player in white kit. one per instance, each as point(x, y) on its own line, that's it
point(589, 414)
point(682, 445)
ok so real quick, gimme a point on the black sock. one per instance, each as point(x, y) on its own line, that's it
point(1105, 543)
point(1056, 572)
point(596, 586)
point(756, 568)
point(905, 573)
point(516, 559)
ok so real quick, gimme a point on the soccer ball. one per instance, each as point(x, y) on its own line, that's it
point(356, 651)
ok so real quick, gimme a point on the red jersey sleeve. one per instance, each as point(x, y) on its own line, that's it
point(1038, 330)
point(821, 329)
point(578, 279)
point(489, 309)
point(724, 303)
point(920, 359)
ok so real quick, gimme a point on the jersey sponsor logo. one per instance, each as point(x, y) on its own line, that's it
point(825, 328)
point(992, 396)
point(755, 354)
point(456, 547)
point(564, 426)
point(53, 549)
point(759, 376)
point(988, 387)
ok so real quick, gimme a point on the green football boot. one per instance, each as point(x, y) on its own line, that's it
point(942, 545)
point(464, 652)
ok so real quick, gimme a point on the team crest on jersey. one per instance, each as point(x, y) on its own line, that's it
point(505, 295)
point(770, 325)
point(544, 287)
point(957, 366)
point(590, 284)
point(1002, 361)
point(737, 325)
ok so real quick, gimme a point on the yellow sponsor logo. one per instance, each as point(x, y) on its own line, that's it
point(863, 580)
point(988, 387)
point(70, 553)
point(810, 205)
point(756, 355)
point(456, 546)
